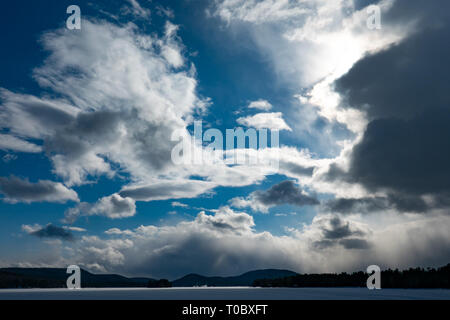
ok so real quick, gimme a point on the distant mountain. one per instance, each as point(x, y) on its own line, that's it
point(245, 279)
point(56, 278)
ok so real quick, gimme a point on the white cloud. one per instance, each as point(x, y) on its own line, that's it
point(261, 11)
point(31, 228)
point(179, 204)
point(136, 9)
point(164, 190)
point(162, 11)
point(113, 207)
point(120, 105)
point(117, 231)
point(75, 229)
point(17, 190)
point(270, 120)
point(171, 50)
point(8, 142)
point(260, 105)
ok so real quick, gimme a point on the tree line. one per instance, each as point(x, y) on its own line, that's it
point(411, 278)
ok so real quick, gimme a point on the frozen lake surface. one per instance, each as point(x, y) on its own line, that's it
point(231, 293)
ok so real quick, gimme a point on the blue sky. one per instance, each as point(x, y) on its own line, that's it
point(231, 72)
point(86, 117)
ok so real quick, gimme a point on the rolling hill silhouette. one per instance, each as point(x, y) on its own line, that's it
point(57, 277)
point(245, 279)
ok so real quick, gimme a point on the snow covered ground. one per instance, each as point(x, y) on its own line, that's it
point(231, 293)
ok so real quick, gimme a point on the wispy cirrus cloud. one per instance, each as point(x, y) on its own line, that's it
point(12, 143)
point(136, 9)
point(179, 204)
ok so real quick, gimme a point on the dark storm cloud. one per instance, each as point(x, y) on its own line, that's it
point(405, 150)
point(406, 156)
point(352, 205)
point(404, 80)
point(339, 229)
point(51, 231)
point(367, 205)
point(410, 203)
point(336, 231)
point(17, 190)
point(410, 77)
point(285, 192)
point(323, 244)
point(355, 243)
point(427, 14)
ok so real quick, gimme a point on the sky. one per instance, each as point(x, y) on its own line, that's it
point(88, 119)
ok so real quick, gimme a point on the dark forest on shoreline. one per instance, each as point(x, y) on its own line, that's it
point(413, 278)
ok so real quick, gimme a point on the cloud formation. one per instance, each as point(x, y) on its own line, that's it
point(335, 231)
point(136, 9)
point(108, 112)
point(11, 143)
point(400, 202)
point(16, 190)
point(114, 207)
point(285, 192)
point(270, 120)
point(260, 105)
point(226, 243)
point(50, 231)
point(116, 111)
point(403, 153)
